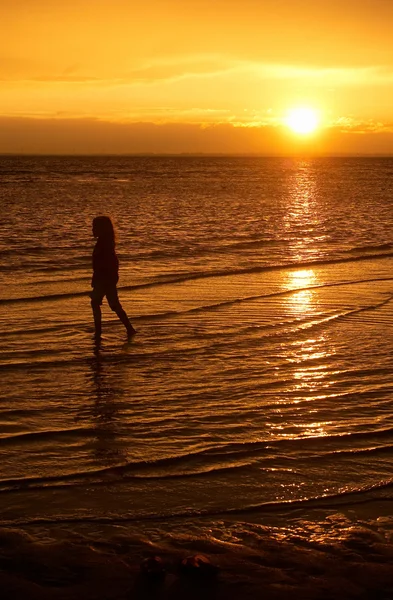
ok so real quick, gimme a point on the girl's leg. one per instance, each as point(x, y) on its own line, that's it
point(96, 308)
point(121, 313)
point(114, 303)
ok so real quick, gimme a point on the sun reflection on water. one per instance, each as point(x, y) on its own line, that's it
point(308, 354)
point(304, 299)
point(302, 277)
point(303, 219)
point(308, 358)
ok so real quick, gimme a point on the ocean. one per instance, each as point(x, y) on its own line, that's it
point(251, 416)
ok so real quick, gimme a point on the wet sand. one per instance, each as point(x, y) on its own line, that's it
point(45, 568)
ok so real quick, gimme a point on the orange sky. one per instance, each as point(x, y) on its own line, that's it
point(195, 75)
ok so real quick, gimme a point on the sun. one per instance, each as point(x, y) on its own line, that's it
point(302, 120)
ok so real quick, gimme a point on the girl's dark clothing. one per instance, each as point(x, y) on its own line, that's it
point(105, 265)
point(104, 281)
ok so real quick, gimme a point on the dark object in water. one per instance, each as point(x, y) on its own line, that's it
point(198, 565)
point(153, 568)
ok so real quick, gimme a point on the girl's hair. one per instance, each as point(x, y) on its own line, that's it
point(104, 229)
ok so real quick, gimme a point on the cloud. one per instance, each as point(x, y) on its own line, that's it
point(202, 66)
point(92, 136)
point(353, 125)
point(175, 67)
point(326, 76)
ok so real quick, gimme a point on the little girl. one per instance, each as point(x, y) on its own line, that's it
point(106, 275)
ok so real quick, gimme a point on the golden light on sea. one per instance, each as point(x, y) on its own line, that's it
point(303, 278)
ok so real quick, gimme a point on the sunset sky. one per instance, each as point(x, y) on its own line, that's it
point(195, 75)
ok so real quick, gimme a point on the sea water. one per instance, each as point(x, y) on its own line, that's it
point(258, 391)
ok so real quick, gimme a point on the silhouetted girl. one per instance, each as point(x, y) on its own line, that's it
point(106, 275)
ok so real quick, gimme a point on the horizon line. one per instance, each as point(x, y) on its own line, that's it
point(202, 154)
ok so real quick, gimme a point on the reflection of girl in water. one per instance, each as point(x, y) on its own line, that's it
point(106, 275)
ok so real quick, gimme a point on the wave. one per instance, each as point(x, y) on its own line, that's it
point(212, 274)
point(236, 447)
point(34, 331)
point(46, 298)
point(205, 307)
point(79, 264)
point(218, 305)
point(381, 247)
point(221, 247)
point(280, 329)
point(173, 249)
point(361, 495)
point(36, 436)
point(47, 361)
point(196, 464)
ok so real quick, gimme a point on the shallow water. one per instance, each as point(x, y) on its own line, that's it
point(259, 383)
